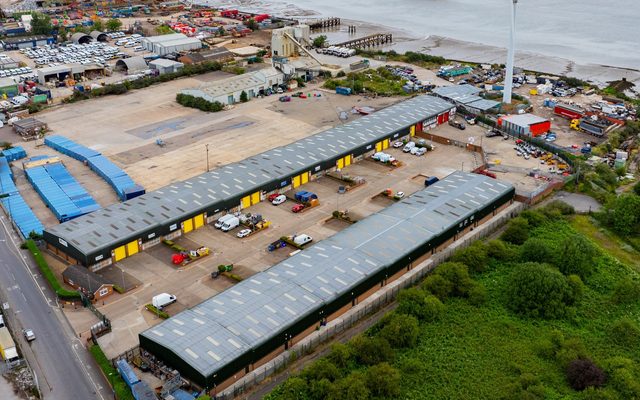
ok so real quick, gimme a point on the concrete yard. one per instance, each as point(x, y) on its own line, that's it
point(193, 283)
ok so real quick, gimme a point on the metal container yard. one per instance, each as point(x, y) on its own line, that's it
point(18, 210)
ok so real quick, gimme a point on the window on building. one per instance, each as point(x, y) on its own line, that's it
point(104, 291)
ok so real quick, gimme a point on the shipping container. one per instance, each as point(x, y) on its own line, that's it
point(126, 371)
point(568, 111)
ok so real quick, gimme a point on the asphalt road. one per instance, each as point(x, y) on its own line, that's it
point(64, 368)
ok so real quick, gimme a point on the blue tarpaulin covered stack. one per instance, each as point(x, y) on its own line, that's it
point(64, 196)
point(14, 204)
point(14, 153)
point(123, 185)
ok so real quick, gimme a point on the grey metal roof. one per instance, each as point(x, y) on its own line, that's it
point(239, 319)
point(456, 92)
point(165, 38)
point(483, 104)
point(523, 120)
point(133, 64)
point(175, 202)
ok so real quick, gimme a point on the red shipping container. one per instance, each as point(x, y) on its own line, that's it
point(567, 111)
point(540, 128)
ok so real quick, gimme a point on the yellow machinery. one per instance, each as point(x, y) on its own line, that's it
point(575, 124)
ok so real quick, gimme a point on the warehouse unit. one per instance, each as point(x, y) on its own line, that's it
point(15, 206)
point(215, 342)
point(119, 180)
point(524, 125)
point(62, 194)
point(173, 43)
point(568, 111)
point(122, 230)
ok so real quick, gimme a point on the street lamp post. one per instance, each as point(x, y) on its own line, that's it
point(113, 389)
point(207, 147)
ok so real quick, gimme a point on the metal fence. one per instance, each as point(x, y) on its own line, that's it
point(367, 307)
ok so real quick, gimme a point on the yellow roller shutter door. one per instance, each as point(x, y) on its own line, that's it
point(187, 225)
point(305, 177)
point(132, 248)
point(119, 253)
point(347, 161)
point(340, 163)
point(412, 132)
point(198, 221)
point(385, 144)
point(295, 182)
point(379, 146)
point(255, 198)
point(246, 202)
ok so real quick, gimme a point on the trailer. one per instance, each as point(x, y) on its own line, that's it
point(568, 111)
point(302, 207)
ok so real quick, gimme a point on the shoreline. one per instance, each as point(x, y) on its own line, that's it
point(479, 53)
point(449, 48)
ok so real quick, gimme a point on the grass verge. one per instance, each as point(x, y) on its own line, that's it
point(120, 388)
point(48, 274)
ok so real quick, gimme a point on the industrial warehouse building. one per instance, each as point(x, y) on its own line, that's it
point(26, 42)
point(164, 66)
point(228, 91)
point(466, 96)
point(121, 230)
point(524, 125)
point(219, 340)
point(131, 65)
point(173, 43)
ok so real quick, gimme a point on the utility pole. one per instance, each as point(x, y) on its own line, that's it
point(207, 147)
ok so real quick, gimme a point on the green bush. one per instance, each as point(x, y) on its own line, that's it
point(625, 332)
point(353, 387)
point(294, 388)
point(320, 390)
point(458, 275)
point(539, 291)
point(517, 232)
point(534, 218)
point(48, 274)
point(536, 250)
point(622, 377)
point(383, 381)
point(199, 103)
point(120, 388)
point(400, 331)
point(438, 286)
point(159, 313)
point(477, 295)
point(577, 256)
point(501, 251)
point(321, 369)
point(474, 256)
point(418, 303)
point(626, 291)
point(340, 355)
point(371, 350)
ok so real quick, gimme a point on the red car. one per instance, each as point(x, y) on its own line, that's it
point(272, 196)
point(297, 208)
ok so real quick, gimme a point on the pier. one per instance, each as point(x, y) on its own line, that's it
point(324, 23)
point(376, 39)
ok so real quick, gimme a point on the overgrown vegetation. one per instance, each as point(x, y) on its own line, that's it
point(422, 60)
point(379, 81)
point(198, 102)
point(504, 326)
point(124, 87)
point(156, 311)
point(121, 389)
point(48, 274)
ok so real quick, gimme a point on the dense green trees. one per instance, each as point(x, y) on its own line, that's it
point(114, 24)
point(41, 24)
point(517, 232)
point(198, 102)
point(420, 304)
point(538, 290)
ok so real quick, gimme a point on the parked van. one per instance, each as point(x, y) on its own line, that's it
point(222, 220)
point(163, 300)
point(302, 239)
point(407, 147)
point(279, 200)
point(231, 223)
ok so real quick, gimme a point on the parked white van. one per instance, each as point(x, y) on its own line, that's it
point(163, 300)
point(407, 147)
point(222, 220)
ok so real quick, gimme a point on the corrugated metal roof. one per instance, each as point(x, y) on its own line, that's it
point(175, 202)
point(239, 319)
point(252, 80)
point(455, 92)
point(524, 120)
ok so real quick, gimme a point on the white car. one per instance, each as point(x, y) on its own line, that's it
point(29, 335)
point(399, 195)
point(398, 144)
point(279, 200)
point(421, 151)
point(414, 150)
point(244, 233)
